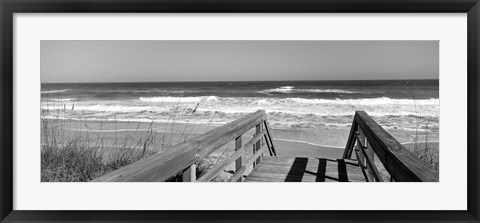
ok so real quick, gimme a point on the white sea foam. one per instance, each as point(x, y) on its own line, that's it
point(327, 91)
point(368, 101)
point(275, 101)
point(284, 89)
point(291, 89)
point(62, 99)
point(281, 106)
point(178, 99)
point(55, 91)
point(160, 91)
point(313, 144)
point(282, 112)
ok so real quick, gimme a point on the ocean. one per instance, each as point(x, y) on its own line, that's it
point(407, 105)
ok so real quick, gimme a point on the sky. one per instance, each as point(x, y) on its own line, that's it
point(68, 61)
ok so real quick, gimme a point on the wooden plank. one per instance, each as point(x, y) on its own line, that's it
point(282, 177)
point(371, 174)
point(351, 162)
point(189, 175)
point(372, 171)
point(268, 145)
point(242, 170)
point(355, 170)
point(360, 163)
point(217, 169)
point(360, 157)
point(292, 171)
point(239, 161)
point(289, 160)
point(287, 163)
point(285, 177)
point(312, 165)
point(275, 169)
point(350, 142)
point(361, 138)
point(157, 167)
point(257, 144)
point(235, 156)
point(263, 179)
point(162, 166)
point(359, 146)
point(255, 138)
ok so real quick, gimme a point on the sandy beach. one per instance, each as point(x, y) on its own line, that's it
point(328, 142)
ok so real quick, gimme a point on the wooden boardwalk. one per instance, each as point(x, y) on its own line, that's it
point(371, 154)
point(303, 169)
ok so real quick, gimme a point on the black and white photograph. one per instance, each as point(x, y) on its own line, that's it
point(239, 111)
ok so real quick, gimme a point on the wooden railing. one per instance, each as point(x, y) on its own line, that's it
point(185, 156)
point(369, 141)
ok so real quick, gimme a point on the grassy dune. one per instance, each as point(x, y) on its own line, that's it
point(79, 151)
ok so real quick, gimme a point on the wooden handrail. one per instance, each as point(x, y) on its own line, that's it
point(162, 166)
point(401, 164)
point(241, 151)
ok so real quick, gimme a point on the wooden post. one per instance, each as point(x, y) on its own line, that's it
point(360, 157)
point(361, 138)
point(268, 137)
point(262, 143)
point(371, 157)
point(359, 150)
point(239, 161)
point(190, 175)
point(257, 145)
point(347, 154)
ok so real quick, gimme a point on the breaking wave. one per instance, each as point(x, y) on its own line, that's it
point(299, 112)
point(291, 90)
point(55, 91)
point(178, 99)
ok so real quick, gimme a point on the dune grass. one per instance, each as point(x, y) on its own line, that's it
point(75, 162)
point(79, 156)
point(422, 148)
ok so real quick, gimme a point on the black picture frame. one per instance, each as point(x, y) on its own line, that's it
point(9, 7)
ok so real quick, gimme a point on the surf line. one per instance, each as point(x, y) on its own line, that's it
point(313, 144)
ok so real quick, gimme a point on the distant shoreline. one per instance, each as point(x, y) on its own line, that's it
point(264, 81)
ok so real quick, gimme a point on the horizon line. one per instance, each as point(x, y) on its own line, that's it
point(112, 82)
